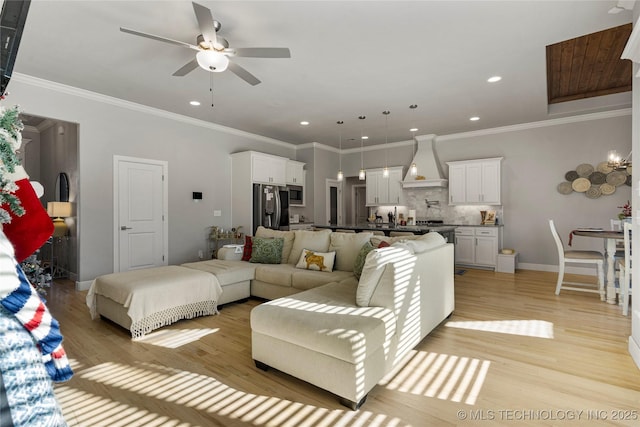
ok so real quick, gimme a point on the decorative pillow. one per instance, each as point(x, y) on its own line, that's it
point(383, 244)
point(317, 241)
point(248, 246)
point(267, 251)
point(286, 235)
point(361, 258)
point(346, 246)
point(319, 261)
point(374, 266)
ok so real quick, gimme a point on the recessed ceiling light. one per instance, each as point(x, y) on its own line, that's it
point(474, 118)
point(494, 79)
point(304, 123)
point(195, 103)
point(413, 130)
point(365, 137)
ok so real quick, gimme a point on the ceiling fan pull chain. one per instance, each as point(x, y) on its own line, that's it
point(211, 87)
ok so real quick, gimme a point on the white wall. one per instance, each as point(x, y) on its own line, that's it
point(197, 154)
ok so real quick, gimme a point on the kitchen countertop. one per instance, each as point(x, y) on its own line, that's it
point(418, 229)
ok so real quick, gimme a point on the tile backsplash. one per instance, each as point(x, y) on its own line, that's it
point(438, 207)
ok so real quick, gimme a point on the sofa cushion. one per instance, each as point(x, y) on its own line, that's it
point(248, 247)
point(376, 240)
point(276, 274)
point(286, 235)
point(312, 240)
point(361, 258)
point(267, 251)
point(347, 246)
point(305, 279)
point(426, 242)
point(227, 272)
point(317, 261)
point(325, 320)
point(373, 268)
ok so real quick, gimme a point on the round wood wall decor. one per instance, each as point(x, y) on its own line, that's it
point(594, 182)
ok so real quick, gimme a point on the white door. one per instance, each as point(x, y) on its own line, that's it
point(140, 213)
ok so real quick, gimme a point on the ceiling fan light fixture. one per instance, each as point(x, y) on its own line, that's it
point(211, 60)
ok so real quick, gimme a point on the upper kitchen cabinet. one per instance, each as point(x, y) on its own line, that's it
point(295, 173)
point(475, 182)
point(383, 190)
point(267, 169)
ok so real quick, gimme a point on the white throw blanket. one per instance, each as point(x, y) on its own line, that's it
point(158, 296)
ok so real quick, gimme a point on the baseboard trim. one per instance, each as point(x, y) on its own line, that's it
point(84, 285)
point(634, 350)
point(554, 268)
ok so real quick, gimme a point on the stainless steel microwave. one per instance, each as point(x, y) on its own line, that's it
point(296, 196)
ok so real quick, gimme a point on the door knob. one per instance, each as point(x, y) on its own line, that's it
point(124, 227)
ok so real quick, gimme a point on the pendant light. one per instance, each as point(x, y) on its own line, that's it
point(340, 174)
point(413, 170)
point(385, 171)
point(361, 175)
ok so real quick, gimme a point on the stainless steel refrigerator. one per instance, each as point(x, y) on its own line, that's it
point(270, 207)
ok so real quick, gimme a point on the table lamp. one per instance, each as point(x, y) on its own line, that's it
point(58, 211)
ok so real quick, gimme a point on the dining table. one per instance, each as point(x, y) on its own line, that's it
point(611, 237)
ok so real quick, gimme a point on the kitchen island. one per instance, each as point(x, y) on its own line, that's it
point(447, 231)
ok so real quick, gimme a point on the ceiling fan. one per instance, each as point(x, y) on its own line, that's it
point(214, 52)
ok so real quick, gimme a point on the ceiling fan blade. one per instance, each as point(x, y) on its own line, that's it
point(243, 74)
point(263, 52)
point(186, 68)
point(158, 38)
point(205, 22)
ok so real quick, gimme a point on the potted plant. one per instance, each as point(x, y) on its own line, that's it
point(625, 214)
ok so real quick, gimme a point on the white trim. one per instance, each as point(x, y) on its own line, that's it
point(94, 96)
point(533, 125)
point(116, 205)
point(84, 285)
point(634, 350)
point(554, 268)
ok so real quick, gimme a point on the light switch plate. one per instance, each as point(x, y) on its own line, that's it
point(217, 213)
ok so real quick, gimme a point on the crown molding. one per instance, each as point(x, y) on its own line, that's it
point(94, 96)
point(534, 125)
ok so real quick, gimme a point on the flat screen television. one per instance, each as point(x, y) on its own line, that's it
point(12, 19)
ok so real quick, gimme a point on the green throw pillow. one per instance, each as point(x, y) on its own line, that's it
point(267, 250)
point(361, 258)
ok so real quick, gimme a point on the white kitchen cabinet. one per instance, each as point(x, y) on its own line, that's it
point(295, 173)
point(383, 190)
point(475, 182)
point(477, 246)
point(267, 169)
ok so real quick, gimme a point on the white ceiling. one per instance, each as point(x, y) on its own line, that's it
point(349, 58)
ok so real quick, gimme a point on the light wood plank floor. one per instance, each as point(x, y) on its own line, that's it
point(513, 353)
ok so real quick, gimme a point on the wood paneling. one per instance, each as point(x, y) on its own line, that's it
point(516, 346)
point(588, 66)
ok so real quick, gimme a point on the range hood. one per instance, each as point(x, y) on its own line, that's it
point(428, 165)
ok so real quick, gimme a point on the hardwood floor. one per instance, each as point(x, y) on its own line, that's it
point(513, 353)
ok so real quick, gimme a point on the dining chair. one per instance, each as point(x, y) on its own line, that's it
point(581, 257)
point(624, 265)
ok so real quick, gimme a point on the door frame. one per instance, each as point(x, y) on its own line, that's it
point(338, 184)
point(116, 204)
point(354, 213)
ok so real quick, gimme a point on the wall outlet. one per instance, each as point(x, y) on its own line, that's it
point(217, 213)
point(200, 254)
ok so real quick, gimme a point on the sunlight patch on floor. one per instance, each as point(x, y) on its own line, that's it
point(200, 393)
point(83, 409)
point(443, 376)
point(528, 328)
point(174, 338)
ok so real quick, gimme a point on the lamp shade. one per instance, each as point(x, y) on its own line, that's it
point(59, 209)
point(211, 60)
